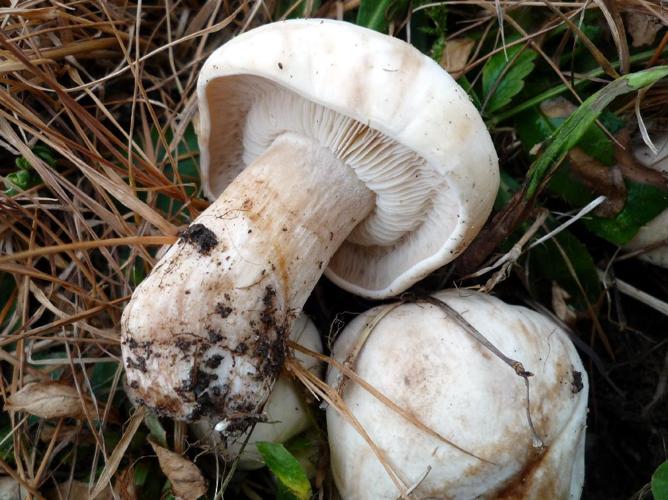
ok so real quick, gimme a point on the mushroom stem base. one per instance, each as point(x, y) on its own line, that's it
point(204, 334)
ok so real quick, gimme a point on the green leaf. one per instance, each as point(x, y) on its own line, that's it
point(141, 473)
point(571, 131)
point(376, 14)
point(503, 79)
point(102, 377)
point(464, 83)
point(643, 203)
point(21, 179)
point(548, 264)
point(156, 429)
point(293, 482)
point(660, 482)
point(42, 152)
point(304, 9)
point(138, 272)
point(6, 443)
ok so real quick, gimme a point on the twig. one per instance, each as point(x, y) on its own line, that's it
point(517, 366)
point(636, 293)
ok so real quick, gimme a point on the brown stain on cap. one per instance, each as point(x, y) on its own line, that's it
point(536, 480)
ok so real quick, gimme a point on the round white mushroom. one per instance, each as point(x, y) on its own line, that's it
point(656, 230)
point(286, 411)
point(422, 359)
point(326, 146)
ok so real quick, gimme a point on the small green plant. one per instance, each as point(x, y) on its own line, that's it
point(660, 482)
point(25, 177)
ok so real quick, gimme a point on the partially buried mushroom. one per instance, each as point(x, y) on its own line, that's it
point(420, 357)
point(327, 148)
point(655, 231)
point(286, 410)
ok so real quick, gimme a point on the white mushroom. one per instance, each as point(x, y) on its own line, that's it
point(657, 229)
point(286, 411)
point(328, 146)
point(426, 363)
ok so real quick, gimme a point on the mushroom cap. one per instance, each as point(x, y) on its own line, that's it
point(656, 229)
point(428, 365)
point(287, 412)
point(394, 116)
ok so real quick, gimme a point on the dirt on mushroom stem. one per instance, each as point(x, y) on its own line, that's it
point(205, 333)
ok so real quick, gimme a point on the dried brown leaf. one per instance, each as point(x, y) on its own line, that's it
point(187, 480)
point(642, 28)
point(560, 305)
point(632, 168)
point(559, 107)
point(48, 400)
point(456, 54)
point(601, 179)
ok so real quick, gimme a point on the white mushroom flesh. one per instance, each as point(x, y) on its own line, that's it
point(428, 365)
point(381, 184)
point(204, 334)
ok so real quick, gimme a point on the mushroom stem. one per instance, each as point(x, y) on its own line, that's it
point(204, 334)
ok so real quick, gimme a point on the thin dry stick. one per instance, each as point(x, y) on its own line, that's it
point(348, 372)
point(350, 360)
point(636, 293)
point(62, 322)
point(84, 245)
point(512, 255)
point(590, 308)
point(49, 451)
point(643, 250)
point(331, 397)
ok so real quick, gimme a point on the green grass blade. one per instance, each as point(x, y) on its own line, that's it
point(572, 130)
point(373, 14)
point(287, 469)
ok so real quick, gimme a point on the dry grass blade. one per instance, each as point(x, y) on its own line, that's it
point(581, 36)
point(85, 245)
point(98, 104)
point(85, 101)
point(412, 419)
point(331, 397)
point(117, 455)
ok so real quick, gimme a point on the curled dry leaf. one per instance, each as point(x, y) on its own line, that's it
point(49, 400)
point(187, 480)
